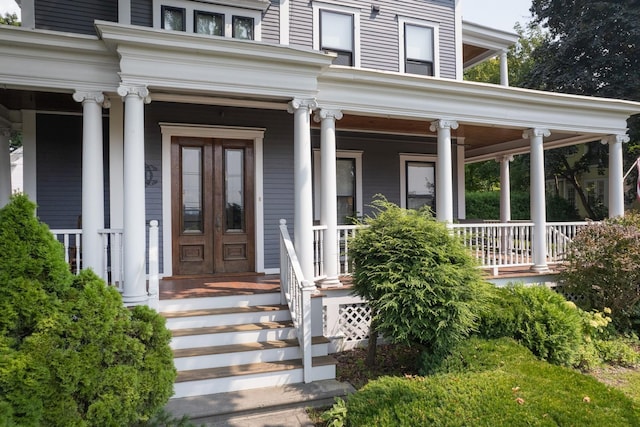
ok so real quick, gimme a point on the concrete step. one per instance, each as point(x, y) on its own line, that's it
point(200, 318)
point(241, 300)
point(242, 377)
point(246, 353)
point(231, 334)
point(262, 406)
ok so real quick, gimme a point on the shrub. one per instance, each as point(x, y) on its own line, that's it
point(420, 282)
point(602, 268)
point(500, 383)
point(486, 205)
point(538, 318)
point(70, 352)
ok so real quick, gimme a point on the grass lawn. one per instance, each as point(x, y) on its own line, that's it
point(486, 383)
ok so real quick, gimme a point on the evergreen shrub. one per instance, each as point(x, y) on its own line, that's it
point(70, 353)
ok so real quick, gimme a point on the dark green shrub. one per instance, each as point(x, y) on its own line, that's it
point(72, 354)
point(499, 383)
point(486, 205)
point(538, 318)
point(602, 268)
point(420, 282)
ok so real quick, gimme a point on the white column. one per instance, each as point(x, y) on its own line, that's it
point(462, 189)
point(616, 172)
point(29, 179)
point(505, 188)
point(329, 204)
point(134, 239)
point(92, 179)
point(504, 69)
point(303, 204)
point(538, 200)
point(444, 170)
point(5, 166)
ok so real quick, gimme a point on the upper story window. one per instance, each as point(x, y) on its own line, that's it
point(217, 19)
point(336, 29)
point(418, 47)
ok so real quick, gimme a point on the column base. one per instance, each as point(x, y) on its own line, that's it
point(540, 268)
point(131, 300)
point(330, 282)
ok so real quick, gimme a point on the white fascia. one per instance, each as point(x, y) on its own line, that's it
point(402, 20)
point(337, 7)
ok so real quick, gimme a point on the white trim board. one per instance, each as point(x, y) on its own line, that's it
point(182, 129)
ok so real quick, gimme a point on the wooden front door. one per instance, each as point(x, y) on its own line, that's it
point(212, 205)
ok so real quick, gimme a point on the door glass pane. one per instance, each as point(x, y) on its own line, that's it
point(242, 28)
point(419, 42)
point(346, 189)
point(209, 23)
point(234, 188)
point(192, 190)
point(336, 30)
point(421, 188)
point(173, 18)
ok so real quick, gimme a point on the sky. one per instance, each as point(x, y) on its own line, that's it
point(501, 14)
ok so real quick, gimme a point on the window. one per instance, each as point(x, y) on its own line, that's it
point(596, 192)
point(208, 23)
point(336, 29)
point(417, 181)
point(222, 19)
point(173, 18)
point(418, 47)
point(348, 185)
point(336, 35)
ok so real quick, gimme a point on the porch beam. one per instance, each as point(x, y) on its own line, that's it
point(616, 172)
point(505, 188)
point(5, 166)
point(444, 170)
point(134, 239)
point(302, 179)
point(538, 201)
point(92, 178)
point(329, 208)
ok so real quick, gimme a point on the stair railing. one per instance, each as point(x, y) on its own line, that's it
point(296, 292)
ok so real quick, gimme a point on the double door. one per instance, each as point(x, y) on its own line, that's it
point(212, 206)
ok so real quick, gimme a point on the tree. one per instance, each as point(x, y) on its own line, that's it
point(10, 19)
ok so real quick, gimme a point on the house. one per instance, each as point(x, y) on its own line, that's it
point(205, 123)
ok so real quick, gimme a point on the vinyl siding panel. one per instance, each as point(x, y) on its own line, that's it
point(142, 13)
point(74, 16)
point(379, 32)
point(271, 23)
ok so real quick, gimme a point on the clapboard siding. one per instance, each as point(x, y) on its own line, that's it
point(379, 32)
point(74, 16)
point(142, 13)
point(271, 23)
point(59, 170)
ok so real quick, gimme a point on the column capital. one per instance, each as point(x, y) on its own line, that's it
point(505, 158)
point(302, 103)
point(327, 113)
point(530, 133)
point(619, 138)
point(141, 91)
point(89, 96)
point(443, 124)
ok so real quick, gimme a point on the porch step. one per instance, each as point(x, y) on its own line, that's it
point(204, 303)
point(232, 334)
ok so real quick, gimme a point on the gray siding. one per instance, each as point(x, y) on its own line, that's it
point(74, 16)
point(142, 13)
point(379, 32)
point(59, 169)
point(271, 23)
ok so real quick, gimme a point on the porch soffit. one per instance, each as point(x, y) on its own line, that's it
point(54, 61)
point(215, 65)
point(480, 42)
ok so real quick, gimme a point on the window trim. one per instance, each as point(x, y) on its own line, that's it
point(333, 7)
point(227, 11)
point(414, 157)
point(317, 179)
point(402, 21)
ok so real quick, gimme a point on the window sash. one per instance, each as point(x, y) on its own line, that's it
point(418, 43)
point(209, 23)
point(346, 189)
point(420, 184)
point(243, 27)
point(173, 18)
point(336, 31)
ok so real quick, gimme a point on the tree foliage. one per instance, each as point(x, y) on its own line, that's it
point(70, 353)
point(10, 19)
point(420, 282)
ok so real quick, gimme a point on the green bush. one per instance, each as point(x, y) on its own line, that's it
point(492, 383)
point(70, 353)
point(420, 282)
point(538, 318)
point(486, 205)
point(602, 268)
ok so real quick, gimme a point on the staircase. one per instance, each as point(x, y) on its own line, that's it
point(237, 342)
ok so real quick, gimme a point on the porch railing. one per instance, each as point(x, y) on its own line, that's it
point(296, 291)
point(345, 232)
point(559, 235)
